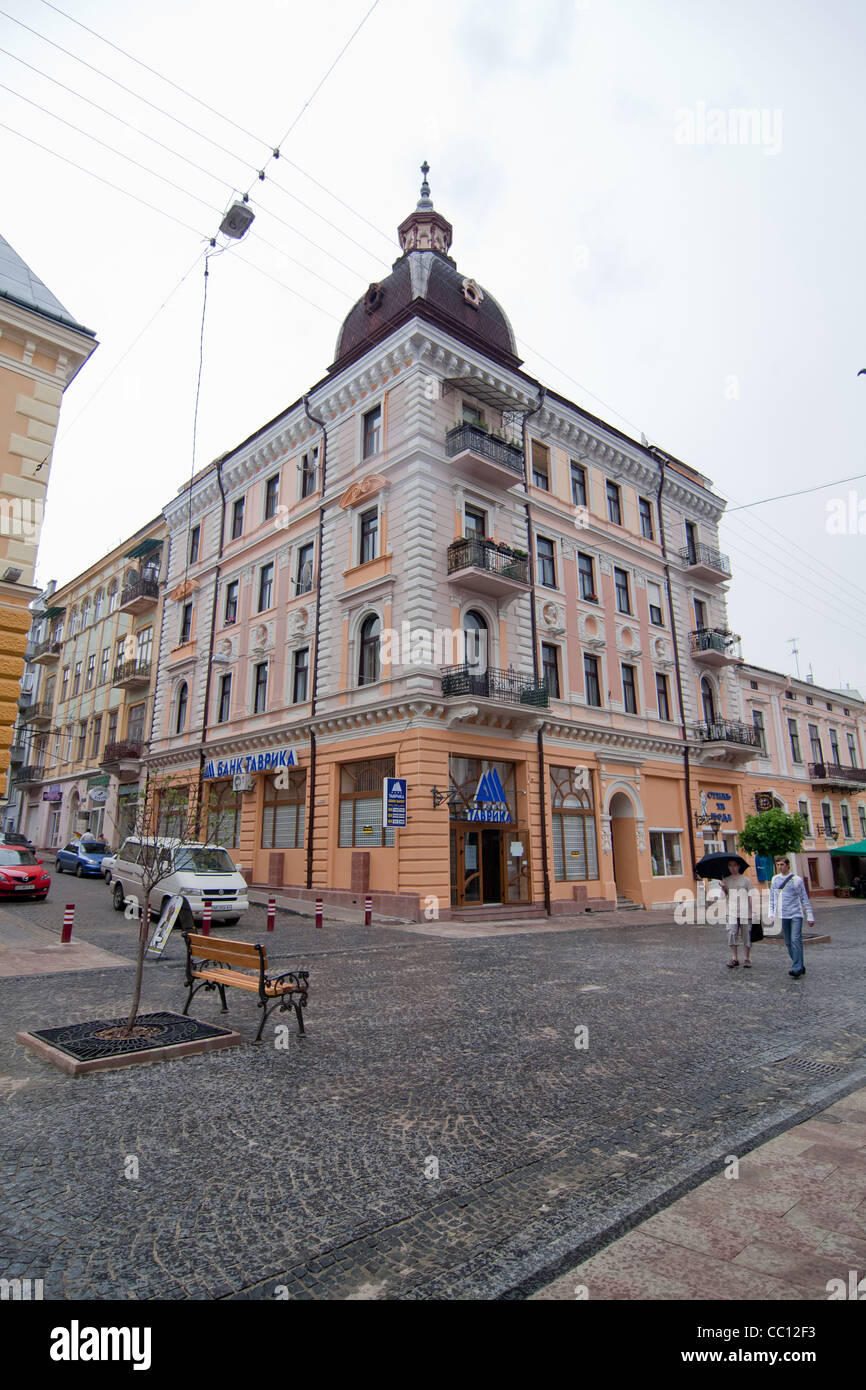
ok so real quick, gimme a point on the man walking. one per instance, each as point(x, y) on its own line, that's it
point(788, 898)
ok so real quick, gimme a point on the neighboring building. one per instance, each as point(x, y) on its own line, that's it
point(41, 350)
point(335, 583)
point(84, 733)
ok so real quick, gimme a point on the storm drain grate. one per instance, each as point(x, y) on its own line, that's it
point(816, 1068)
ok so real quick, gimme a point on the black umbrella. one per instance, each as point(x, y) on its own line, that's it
point(716, 865)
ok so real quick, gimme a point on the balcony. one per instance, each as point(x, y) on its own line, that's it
point(714, 646)
point(831, 775)
point(29, 776)
point(123, 758)
point(488, 568)
point(142, 594)
point(18, 752)
point(725, 740)
point(38, 712)
point(706, 564)
point(479, 455)
point(45, 652)
point(493, 694)
point(131, 674)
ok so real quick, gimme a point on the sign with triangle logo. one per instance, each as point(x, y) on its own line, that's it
point(490, 787)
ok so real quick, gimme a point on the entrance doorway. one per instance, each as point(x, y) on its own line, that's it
point(623, 843)
point(476, 865)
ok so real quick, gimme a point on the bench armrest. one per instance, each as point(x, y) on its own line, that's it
point(301, 978)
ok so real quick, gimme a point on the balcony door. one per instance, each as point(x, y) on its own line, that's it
point(708, 702)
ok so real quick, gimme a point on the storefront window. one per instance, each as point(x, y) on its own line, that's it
point(224, 815)
point(361, 804)
point(575, 853)
point(283, 813)
point(666, 853)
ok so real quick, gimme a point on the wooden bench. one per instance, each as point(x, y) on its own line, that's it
point(216, 963)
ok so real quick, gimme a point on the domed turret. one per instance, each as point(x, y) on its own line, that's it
point(426, 283)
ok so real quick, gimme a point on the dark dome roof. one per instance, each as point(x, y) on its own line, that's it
point(425, 281)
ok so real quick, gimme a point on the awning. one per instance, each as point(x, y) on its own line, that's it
point(859, 848)
point(52, 612)
point(143, 548)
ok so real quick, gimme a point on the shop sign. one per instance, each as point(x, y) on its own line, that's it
point(98, 795)
point(53, 794)
point(764, 801)
point(103, 780)
point(394, 802)
point(253, 762)
point(490, 803)
point(719, 812)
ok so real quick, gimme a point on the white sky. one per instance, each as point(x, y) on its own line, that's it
point(706, 291)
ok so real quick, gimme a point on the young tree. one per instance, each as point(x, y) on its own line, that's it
point(772, 833)
point(168, 811)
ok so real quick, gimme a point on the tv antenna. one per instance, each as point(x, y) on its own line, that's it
point(795, 652)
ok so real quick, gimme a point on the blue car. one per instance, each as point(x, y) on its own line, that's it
point(82, 857)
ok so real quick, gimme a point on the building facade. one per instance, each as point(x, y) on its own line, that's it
point(42, 348)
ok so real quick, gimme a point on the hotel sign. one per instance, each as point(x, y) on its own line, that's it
point(490, 803)
point(394, 802)
point(272, 761)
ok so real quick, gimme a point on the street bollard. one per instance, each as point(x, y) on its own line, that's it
point(272, 913)
point(368, 910)
point(205, 921)
point(319, 912)
point(68, 916)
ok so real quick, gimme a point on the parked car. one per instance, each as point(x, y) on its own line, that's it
point(21, 874)
point(14, 837)
point(108, 864)
point(81, 857)
point(194, 872)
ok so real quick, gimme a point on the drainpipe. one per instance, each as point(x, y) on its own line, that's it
point(545, 865)
point(314, 684)
point(686, 756)
point(213, 611)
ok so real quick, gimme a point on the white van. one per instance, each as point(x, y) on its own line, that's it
point(192, 871)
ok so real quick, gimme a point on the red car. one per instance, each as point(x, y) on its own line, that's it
point(22, 874)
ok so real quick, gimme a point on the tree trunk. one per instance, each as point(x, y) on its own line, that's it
point(143, 938)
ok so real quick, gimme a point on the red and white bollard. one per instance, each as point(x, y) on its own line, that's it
point(368, 910)
point(206, 916)
point(68, 918)
point(319, 912)
point(272, 913)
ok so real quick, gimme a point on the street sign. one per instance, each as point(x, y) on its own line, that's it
point(394, 802)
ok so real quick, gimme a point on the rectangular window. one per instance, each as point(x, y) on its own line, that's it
point(82, 740)
point(64, 684)
point(238, 518)
point(112, 727)
point(361, 804)
point(629, 689)
point(586, 574)
point(103, 665)
point(304, 577)
point(623, 601)
point(846, 822)
point(700, 615)
point(834, 746)
point(309, 472)
point(474, 523)
point(194, 541)
point(266, 586)
point(540, 465)
point(803, 808)
point(666, 853)
point(591, 681)
point(95, 735)
point(578, 485)
point(372, 431)
point(90, 673)
point(575, 855)
point(794, 736)
point(852, 750)
point(135, 727)
point(224, 815)
point(225, 699)
point(283, 813)
point(662, 696)
point(185, 624)
point(692, 542)
point(826, 815)
point(550, 668)
point(230, 613)
point(758, 723)
point(368, 532)
point(260, 688)
point(299, 676)
point(76, 678)
point(645, 508)
point(614, 503)
point(472, 416)
point(272, 496)
point(546, 562)
point(654, 600)
point(815, 744)
point(144, 646)
point(861, 812)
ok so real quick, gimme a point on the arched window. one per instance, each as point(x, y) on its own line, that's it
point(98, 600)
point(708, 702)
point(475, 640)
point(112, 596)
point(182, 702)
point(368, 664)
point(73, 621)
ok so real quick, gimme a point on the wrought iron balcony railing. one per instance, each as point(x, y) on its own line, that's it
point(49, 650)
point(692, 555)
point(487, 555)
point(121, 751)
point(716, 639)
point(465, 437)
point(494, 684)
point(131, 671)
point(727, 731)
point(835, 772)
point(40, 710)
point(33, 772)
point(143, 587)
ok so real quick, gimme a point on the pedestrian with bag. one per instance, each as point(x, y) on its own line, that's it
point(789, 899)
point(740, 894)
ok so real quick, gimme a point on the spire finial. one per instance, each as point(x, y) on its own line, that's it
point(425, 201)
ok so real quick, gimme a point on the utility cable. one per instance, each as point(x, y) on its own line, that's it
point(801, 492)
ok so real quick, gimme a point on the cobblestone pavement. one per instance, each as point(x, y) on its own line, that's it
point(312, 1170)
